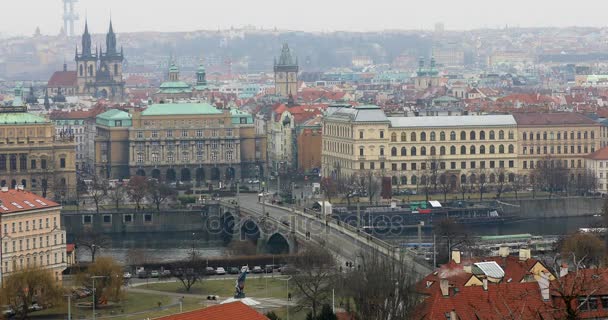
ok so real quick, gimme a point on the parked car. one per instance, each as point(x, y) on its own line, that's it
point(245, 269)
point(287, 269)
point(35, 307)
point(209, 271)
point(269, 268)
point(257, 269)
point(220, 271)
point(233, 270)
point(126, 275)
point(154, 274)
point(8, 313)
point(166, 273)
point(142, 274)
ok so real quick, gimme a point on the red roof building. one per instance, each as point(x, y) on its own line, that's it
point(13, 201)
point(229, 311)
point(64, 80)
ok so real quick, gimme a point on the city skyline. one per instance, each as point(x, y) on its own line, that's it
point(188, 15)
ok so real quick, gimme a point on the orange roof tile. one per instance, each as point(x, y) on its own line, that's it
point(20, 201)
point(601, 154)
point(63, 79)
point(229, 311)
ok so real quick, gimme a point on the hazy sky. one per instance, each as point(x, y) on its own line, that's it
point(22, 16)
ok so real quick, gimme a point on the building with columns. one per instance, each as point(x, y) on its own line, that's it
point(32, 155)
point(187, 142)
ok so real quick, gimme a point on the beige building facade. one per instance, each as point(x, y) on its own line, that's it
point(189, 142)
point(31, 233)
point(458, 150)
point(32, 155)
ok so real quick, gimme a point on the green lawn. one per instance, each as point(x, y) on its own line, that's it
point(254, 287)
point(145, 305)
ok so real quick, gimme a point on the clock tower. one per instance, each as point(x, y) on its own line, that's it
point(286, 74)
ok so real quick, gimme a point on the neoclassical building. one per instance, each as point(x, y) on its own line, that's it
point(32, 155)
point(183, 141)
point(409, 149)
point(32, 235)
point(463, 149)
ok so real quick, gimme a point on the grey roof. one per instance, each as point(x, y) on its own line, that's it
point(491, 269)
point(453, 121)
point(359, 114)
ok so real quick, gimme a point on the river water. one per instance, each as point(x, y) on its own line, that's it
point(159, 247)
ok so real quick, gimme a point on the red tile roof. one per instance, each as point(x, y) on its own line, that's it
point(20, 201)
point(229, 311)
point(70, 247)
point(500, 301)
point(63, 79)
point(552, 119)
point(601, 154)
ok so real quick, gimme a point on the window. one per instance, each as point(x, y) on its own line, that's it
point(127, 218)
point(393, 151)
point(492, 149)
point(525, 164)
point(492, 164)
point(482, 149)
point(372, 165)
point(452, 150)
point(140, 158)
point(433, 151)
point(482, 135)
point(404, 166)
point(403, 136)
point(148, 217)
point(463, 135)
point(511, 164)
point(86, 219)
point(452, 136)
point(360, 134)
point(501, 149)
point(452, 165)
point(442, 151)
point(361, 152)
point(472, 150)
point(423, 151)
point(545, 135)
point(154, 134)
point(525, 136)
point(382, 165)
point(472, 164)
point(362, 166)
point(463, 150)
point(501, 135)
point(394, 166)
point(393, 137)
point(472, 135)
point(107, 218)
point(381, 134)
point(403, 151)
point(413, 151)
point(140, 134)
point(413, 136)
point(511, 148)
point(413, 166)
point(433, 136)
point(184, 133)
point(423, 136)
point(442, 136)
point(199, 133)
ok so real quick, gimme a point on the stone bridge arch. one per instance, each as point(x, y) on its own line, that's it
point(278, 243)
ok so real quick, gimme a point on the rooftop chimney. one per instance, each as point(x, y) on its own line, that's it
point(444, 284)
point(453, 315)
point(503, 251)
point(485, 284)
point(524, 254)
point(456, 256)
point(563, 270)
point(543, 284)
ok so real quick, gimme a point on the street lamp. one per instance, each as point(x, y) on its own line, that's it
point(69, 296)
point(95, 292)
point(287, 280)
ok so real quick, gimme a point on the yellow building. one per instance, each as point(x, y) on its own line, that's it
point(459, 149)
point(560, 139)
point(31, 233)
point(179, 142)
point(32, 155)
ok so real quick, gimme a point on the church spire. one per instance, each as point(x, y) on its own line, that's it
point(86, 41)
point(111, 41)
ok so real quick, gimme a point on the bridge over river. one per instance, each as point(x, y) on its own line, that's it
point(282, 228)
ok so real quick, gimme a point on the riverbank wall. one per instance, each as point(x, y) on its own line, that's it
point(553, 207)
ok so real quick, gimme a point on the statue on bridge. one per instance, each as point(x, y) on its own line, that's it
point(240, 285)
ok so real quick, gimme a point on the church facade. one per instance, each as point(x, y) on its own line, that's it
point(286, 74)
point(98, 73)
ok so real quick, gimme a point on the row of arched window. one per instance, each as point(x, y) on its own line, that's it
point(413, 151)
point(471, 135)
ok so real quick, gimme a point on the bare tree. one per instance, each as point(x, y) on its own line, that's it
point(81, 189)
point(117, 195)
point(371, 182)
point(316, 270)
point(586, 182)
point(444, 186)
point(450, 235)
point(108, 282)
point(25, 287)
point(482, 182)
point(329, 188)
point(98, 191)
point(550, 175)
point(137, 190)
point(158, 193)
point(92, 241)
point(588, 247)
point(501, 181)
point(518, 184)
point(382, 288)
point(188, 271)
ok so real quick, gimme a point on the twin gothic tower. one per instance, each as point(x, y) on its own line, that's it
point(99, 73)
